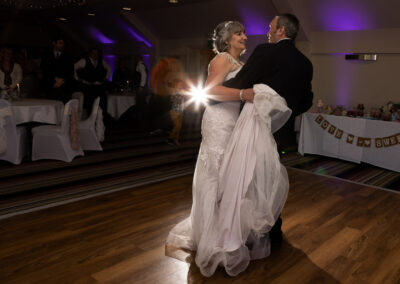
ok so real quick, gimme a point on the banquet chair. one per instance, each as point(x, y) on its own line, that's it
point(54, 141)
point(80, 97)
point(13, 138)
point(88, 129)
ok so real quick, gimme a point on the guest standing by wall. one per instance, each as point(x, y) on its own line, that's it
point(140, 81)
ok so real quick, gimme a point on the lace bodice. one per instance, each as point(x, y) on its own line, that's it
point(217, 125)
point(234, 62)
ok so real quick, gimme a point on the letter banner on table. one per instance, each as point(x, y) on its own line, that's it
point(360, 141)
point(325, 124)
point(378, 143)
point(339, 133)
point(319, 119)
point(367, 142)
point(332, 129)
point(386, 141)
point(393, 140)
point(350, 138)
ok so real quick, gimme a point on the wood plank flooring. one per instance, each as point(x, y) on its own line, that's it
point(335, 232)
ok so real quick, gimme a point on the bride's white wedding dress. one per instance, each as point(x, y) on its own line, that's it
point(239, 185)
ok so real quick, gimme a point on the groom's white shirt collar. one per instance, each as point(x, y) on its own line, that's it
point(286, 38)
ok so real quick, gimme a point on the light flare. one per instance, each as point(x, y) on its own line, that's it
point(198, 95)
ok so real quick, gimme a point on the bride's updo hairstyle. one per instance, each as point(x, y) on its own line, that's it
point(223, 33)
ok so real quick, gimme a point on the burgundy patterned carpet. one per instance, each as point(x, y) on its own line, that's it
point(358, 173)
point(132, 159)
point(129, 159)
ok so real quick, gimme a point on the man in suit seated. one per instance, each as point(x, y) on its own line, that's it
point(58, 72)
point(92, 72)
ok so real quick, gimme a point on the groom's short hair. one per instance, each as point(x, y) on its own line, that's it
point(290, 23)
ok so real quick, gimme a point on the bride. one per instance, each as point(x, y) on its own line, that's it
point(239, 185)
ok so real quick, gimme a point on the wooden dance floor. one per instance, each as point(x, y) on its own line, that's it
point(335, 232)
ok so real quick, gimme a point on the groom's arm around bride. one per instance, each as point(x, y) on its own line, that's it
point(280, 65)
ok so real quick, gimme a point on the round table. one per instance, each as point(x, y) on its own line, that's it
point(119, 103)
point(37, 110)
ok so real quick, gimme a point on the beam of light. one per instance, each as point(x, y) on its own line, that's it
point(135, 35)
point(99, 36)
point(254, 19)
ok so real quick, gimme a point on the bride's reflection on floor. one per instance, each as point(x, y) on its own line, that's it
point(285, 265)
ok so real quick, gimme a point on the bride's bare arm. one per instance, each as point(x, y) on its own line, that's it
point(219, 68)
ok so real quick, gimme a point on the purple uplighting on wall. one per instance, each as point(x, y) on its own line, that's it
point(134, 34)
point(99, 36)
point(254, 20)
point(343, 77)
point(343, 89)
point(346, 16)
point(112, 61)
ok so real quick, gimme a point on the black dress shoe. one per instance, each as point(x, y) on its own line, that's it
point(276, 238)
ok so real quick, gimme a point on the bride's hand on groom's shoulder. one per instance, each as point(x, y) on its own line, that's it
point(248, 95)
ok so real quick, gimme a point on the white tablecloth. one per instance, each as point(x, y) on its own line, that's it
point(316, 140)
point(118, 104)
point(37, 110)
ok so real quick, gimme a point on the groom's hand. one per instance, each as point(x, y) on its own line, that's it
point(248, 95)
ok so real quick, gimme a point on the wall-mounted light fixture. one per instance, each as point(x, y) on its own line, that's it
point(362, 56)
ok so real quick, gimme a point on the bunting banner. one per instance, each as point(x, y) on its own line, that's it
point(378, 142)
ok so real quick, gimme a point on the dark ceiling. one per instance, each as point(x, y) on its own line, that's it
point(196, 18)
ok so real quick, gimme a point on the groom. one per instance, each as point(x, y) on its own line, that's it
point(280, 65)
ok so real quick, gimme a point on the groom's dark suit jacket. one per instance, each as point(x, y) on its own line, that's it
point(285, 69)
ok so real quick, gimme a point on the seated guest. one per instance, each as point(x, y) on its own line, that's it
point(123, 75)
point(92, 73)
point(10, 74)
point(30, 78)
point(58, 71)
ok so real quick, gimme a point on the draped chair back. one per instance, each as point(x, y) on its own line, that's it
point(69, 108)
point(8, 129)
point(13, 138)
point(91, 130)
point(80, 97)
point(58, 142)
point(95, 109)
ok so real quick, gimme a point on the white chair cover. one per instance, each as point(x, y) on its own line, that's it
point(54, 141)
point(80, 97)
point(4, 112)
point(13, 139)
point(90, 129)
